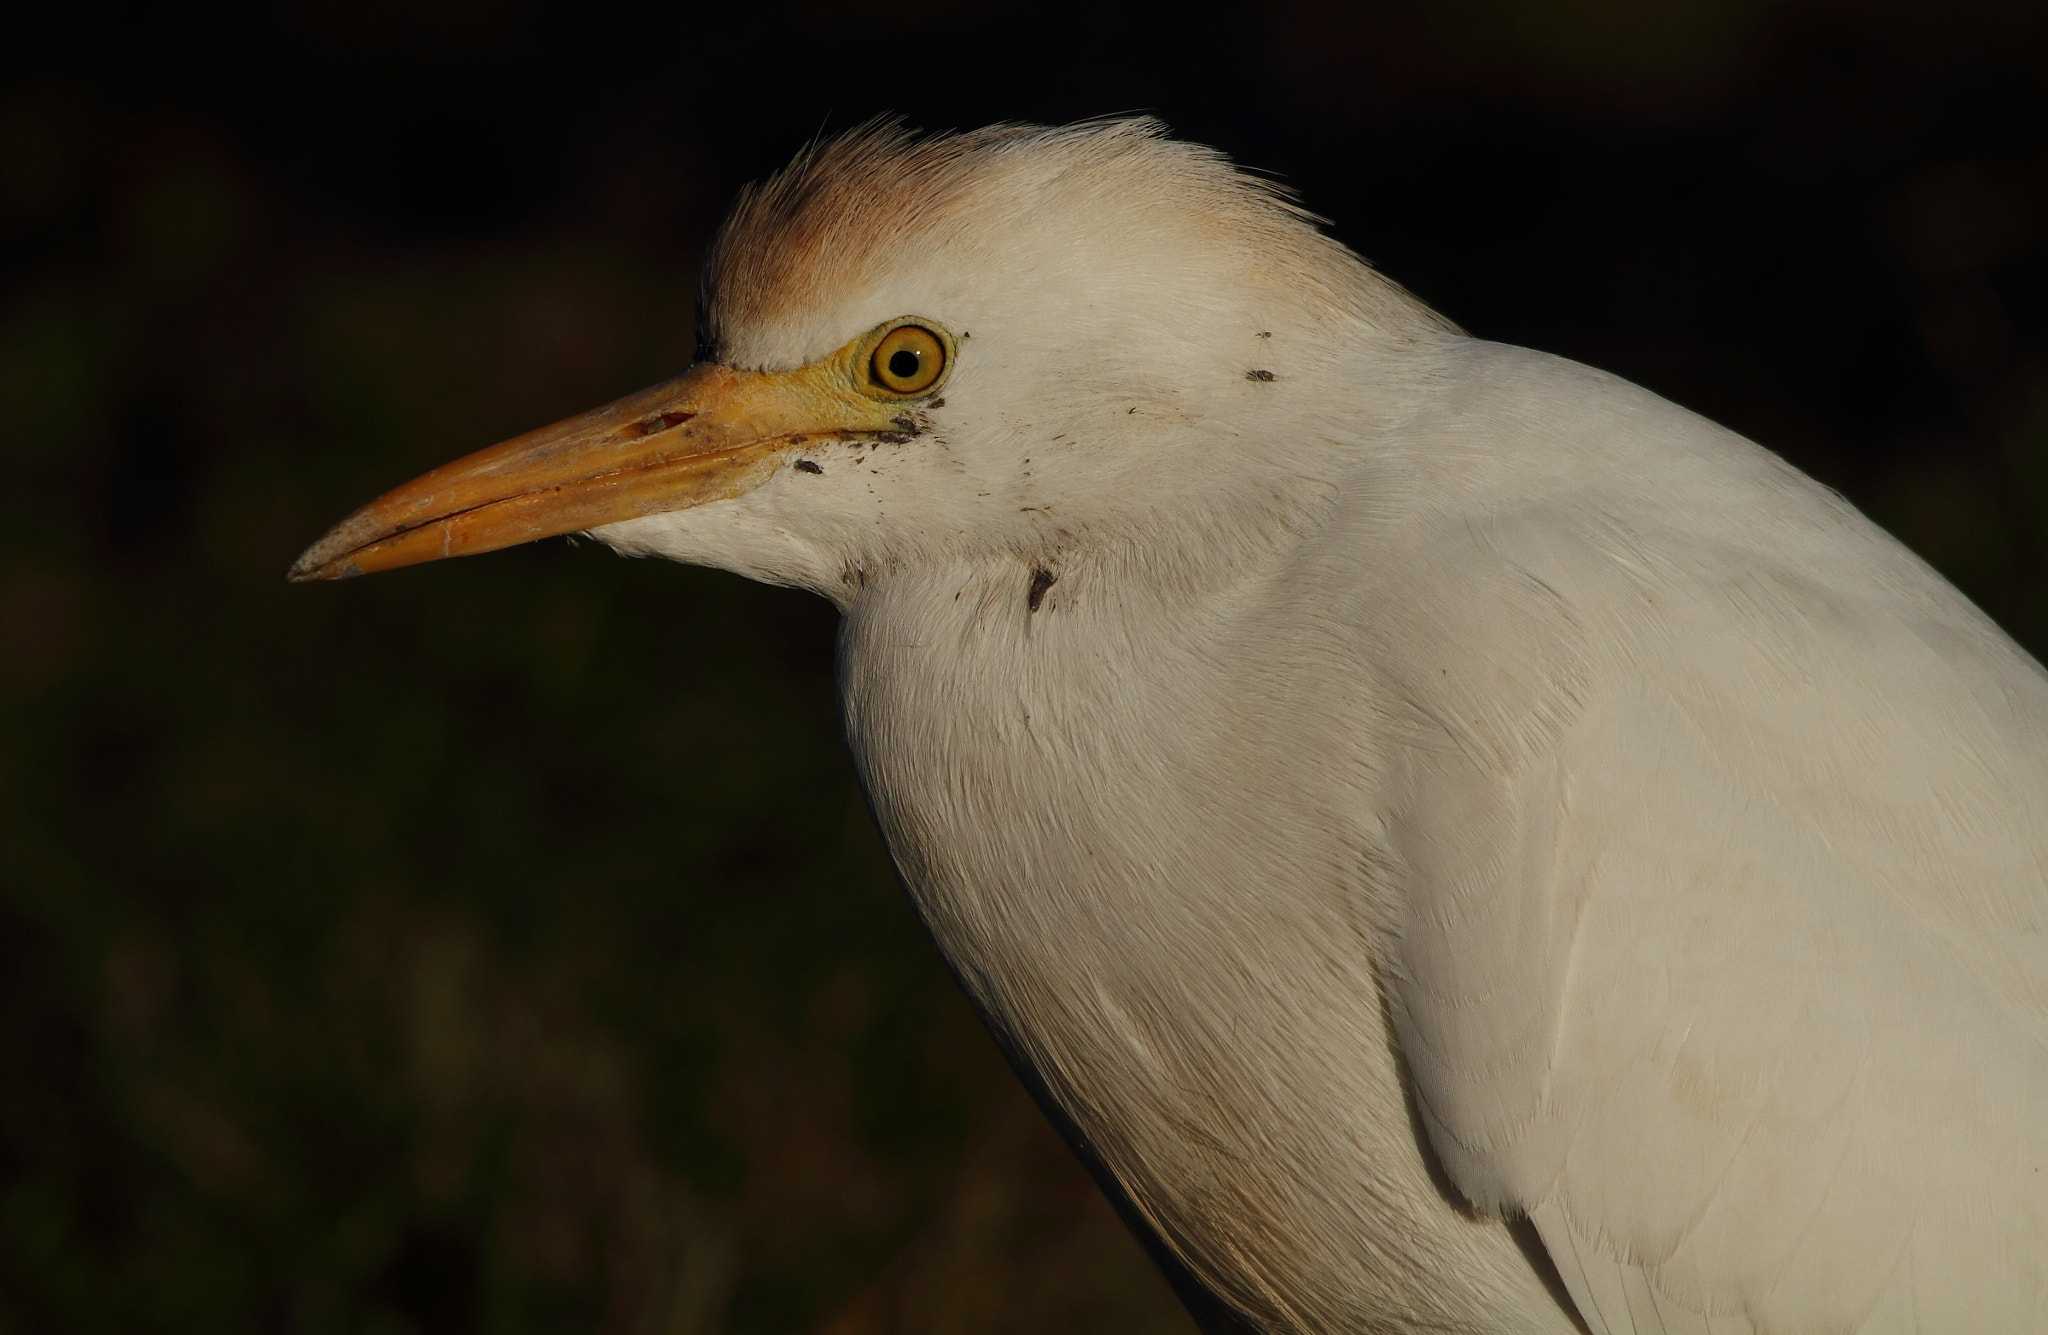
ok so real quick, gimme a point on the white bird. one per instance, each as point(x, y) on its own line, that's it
point(1423, 811)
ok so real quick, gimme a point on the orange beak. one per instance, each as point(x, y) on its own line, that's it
point(707, 435)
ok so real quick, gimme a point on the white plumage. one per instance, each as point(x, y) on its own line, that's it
point(1385, 785)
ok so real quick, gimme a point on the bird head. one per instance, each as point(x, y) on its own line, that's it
point(910, 348)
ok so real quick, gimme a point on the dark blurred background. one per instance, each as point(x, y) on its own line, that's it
point(502, 946)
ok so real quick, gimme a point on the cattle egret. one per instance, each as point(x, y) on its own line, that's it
point(1460, 842)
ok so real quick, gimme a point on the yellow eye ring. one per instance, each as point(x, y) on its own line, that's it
point(908, 360)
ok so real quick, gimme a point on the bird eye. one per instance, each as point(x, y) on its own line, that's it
point(908, 360)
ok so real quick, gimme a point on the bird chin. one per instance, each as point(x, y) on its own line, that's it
point(724, 536)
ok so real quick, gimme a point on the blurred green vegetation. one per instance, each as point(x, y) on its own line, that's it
point(503, 946)
point(507, 951)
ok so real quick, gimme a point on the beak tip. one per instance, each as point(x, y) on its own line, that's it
point(314, 566)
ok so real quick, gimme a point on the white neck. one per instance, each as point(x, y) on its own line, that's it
point(1072, 800)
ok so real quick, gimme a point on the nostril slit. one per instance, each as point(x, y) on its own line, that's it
point(648, 426)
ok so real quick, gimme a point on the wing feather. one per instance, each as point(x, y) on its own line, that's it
point(1723, 956)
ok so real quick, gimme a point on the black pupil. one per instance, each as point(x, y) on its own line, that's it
point(903, 364)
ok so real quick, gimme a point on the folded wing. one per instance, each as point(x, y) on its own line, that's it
point(1723, 875)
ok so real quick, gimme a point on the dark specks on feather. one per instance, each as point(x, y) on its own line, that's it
point(1260, 375)
point(1041, 580)
point(908, 426)
point(806, 466)
point(938, 403)
point(1265, 333)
